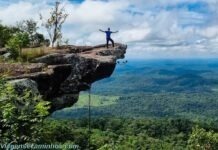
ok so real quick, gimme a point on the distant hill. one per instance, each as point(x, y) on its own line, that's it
point(161, 88)
point(169, 76)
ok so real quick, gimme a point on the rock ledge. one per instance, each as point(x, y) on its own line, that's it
point(61, 74)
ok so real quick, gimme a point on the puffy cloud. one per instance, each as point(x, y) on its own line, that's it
point(160, 28)
point(209, 32)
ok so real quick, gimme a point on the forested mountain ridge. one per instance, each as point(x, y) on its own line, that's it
point(155, 88)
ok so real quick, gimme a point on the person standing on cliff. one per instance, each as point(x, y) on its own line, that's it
point(108, 36)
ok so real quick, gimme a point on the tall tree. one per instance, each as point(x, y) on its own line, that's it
point(16, 43)
point(30, 27)
point(6, 32)
point(54, 24)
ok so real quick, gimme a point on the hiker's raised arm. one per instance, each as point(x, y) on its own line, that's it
point(101, 30)
point(115, 32)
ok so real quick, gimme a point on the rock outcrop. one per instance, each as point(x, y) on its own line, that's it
point(61, 74)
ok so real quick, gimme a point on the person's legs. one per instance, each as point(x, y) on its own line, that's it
point(112, 42)
point(107, 42)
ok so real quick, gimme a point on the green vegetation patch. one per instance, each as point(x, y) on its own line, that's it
point(96, 100)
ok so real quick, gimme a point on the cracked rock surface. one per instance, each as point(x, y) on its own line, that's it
point(61, 74)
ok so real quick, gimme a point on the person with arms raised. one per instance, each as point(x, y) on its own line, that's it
point(108, 36)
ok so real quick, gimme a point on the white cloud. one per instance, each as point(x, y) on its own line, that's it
point(150, 28)
point(94, 12)
point(209, 32)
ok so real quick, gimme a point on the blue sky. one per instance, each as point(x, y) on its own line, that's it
point(151, 28)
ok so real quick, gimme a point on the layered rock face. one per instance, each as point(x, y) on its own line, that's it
point(61, 74)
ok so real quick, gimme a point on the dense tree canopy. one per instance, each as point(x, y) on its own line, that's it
point(6, 33)
point(21, 114)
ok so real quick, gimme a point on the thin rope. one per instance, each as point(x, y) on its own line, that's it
point(89, 117)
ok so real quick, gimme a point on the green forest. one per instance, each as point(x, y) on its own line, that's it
point(132, 120)
point(164, 91)
point(132, 134)
point(30, 124)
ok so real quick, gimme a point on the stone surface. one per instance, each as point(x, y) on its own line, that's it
point(63, 73)
point(3, 51)
point(6, 55)
point(23, 84)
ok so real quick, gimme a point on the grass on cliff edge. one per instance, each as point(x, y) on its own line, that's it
point(28, 54)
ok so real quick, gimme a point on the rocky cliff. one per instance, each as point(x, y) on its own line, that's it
point(61, 74)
